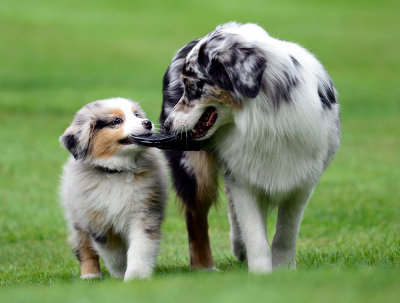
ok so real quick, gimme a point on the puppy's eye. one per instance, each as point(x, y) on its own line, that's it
point(137, 115)
point(116, 121)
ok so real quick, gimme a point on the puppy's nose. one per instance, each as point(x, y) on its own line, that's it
point(147, 124)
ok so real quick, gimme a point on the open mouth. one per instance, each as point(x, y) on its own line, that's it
point(205, 122)
point(127, 141)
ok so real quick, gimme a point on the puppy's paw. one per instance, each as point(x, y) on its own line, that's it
point(140, 273)
point(91, 276)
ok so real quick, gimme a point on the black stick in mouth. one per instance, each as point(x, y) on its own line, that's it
point(127, 141)
point(183, 141)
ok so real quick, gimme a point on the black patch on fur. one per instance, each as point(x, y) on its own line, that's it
point(186, 49)
point(237, 68)
point(101, 123)
point(326, 93)
point(202, 58)
point(70, 142)
point(76, 252)
point(250, 91)
point(187, 72)
point(184, 183)
point(155, 207)
point(283, 90)
point(218, 75)
point(171, 95)
point(173, 92)
point(99, 238)
point(193, 89)
point(294, 60)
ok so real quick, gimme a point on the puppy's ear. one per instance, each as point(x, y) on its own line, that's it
point(76, 138)
point(240, 69)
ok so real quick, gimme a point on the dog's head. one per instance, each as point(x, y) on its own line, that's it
point(219, 74)
point(104, 129)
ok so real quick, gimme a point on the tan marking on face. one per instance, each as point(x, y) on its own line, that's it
point(87, 257)
point(117, 112)
point(184, 106)
point(225, 97)
point(105, 142)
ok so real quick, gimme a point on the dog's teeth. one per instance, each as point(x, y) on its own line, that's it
point(194, 131)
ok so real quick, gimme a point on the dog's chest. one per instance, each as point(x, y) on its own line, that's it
point(271, 158)
point(116, 200)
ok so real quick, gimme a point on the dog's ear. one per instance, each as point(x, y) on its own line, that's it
point(76, 137)
point(238, 69)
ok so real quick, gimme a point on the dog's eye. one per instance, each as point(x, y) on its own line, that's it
point(116, 121)
point(137, 115)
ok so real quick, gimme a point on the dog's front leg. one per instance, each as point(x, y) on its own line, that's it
point(142, 252)
point(252, 221)
point(290, 214)
point(237, 244)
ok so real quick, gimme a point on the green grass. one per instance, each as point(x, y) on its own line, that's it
point(58, 55)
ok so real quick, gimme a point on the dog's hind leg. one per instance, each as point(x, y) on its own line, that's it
point(88, 258)
point(196, 182)
point(290, 214)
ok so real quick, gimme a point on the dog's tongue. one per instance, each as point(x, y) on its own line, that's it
point(171, 142)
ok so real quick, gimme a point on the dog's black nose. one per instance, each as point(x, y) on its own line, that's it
point(147, 124)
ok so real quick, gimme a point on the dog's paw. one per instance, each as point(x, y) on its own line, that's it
point(137, 273)
point(260, 265)
point(210, 268)
point(91, 276)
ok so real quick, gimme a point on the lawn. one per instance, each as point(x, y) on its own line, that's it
point(57, 55)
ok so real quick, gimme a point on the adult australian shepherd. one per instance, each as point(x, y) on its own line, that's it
point(267, 111)
point(114, 191)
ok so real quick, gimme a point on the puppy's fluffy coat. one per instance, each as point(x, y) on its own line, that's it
point(114, 192)
point(270, 111)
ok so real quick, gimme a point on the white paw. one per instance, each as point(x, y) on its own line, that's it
point(90, 276)
point(260, 265)
point(137, 273)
